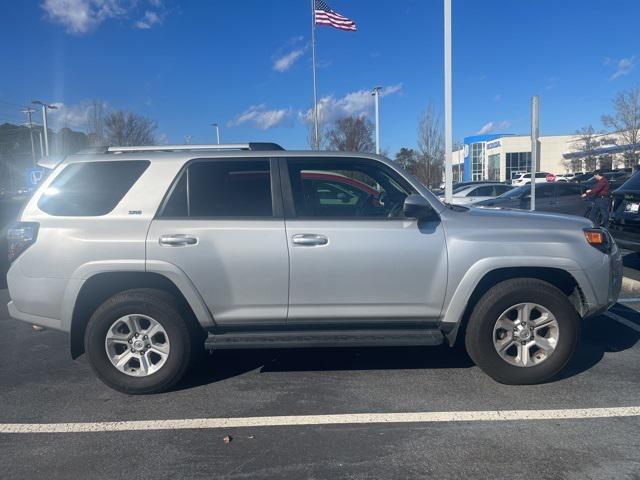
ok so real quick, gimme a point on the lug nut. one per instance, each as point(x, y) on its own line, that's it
point(130, 341)
point(145, 337)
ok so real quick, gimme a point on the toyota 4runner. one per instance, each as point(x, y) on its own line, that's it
point(149, 255)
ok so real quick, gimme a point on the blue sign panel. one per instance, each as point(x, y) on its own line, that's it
point(34, 176)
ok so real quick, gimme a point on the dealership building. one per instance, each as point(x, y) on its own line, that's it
point(501, 157)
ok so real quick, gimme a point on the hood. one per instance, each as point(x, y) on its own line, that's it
point(558, 220)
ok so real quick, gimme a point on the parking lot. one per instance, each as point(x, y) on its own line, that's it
point(466, 424)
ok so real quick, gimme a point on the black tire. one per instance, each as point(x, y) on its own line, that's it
point(162, 307)
point(480, 330)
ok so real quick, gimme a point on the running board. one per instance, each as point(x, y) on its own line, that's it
point(329, 338)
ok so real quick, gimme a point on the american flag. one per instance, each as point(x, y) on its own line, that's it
point(325, 16)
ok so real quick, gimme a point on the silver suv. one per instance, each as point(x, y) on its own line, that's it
point(148, 256)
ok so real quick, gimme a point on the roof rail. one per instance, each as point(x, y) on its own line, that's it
point(257, 146)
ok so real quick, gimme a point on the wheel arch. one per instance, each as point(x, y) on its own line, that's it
point(560, 278)
point(101, 286)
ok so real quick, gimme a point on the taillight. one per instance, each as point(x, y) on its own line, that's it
point(20, 237)
point(598, 238)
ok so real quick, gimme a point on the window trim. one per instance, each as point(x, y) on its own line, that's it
point(287, 191)
point(276, 193)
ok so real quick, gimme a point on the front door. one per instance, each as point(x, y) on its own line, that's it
point(222, 225)
point(353, 256)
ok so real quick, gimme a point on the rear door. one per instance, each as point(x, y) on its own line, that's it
point(222, 225)
point(355, 258)
point(568, 199)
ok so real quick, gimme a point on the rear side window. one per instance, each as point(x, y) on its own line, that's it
point(90, 188)
point(221, 189)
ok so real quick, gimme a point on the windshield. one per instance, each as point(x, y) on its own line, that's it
point(517, 192)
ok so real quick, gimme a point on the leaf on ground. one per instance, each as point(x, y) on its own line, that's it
point(227, 439)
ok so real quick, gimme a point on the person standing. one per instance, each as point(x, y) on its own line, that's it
point(599, 194)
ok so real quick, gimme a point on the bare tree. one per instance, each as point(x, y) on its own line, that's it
point(586, 143)
point(626, 122)
point(127, 128)
point(430, 147)
point(351, 134)
point(95, 122)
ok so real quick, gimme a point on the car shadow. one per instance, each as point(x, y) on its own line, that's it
point(600, 335)
point(631, 260)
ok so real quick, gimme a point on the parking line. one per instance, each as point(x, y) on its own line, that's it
point(623, 321)
point(307, 420)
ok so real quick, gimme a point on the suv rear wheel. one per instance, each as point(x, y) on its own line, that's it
point(522, 331)
point(138, 342)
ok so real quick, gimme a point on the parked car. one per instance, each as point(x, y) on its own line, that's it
point(524, 178)
point(147, 257)
point(556, 197)
point(625, 214)
point(616, 180)
point(470, 194)
point(455, 185)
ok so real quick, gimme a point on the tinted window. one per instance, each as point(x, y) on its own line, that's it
point(541, 175)
point(482, 192)
point(345, 189)
point(222, 189)
point(500, 189)
point(633, 183)
point(91, 188)
point(568, 189)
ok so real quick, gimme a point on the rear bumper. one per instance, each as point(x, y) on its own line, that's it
point(33, 319)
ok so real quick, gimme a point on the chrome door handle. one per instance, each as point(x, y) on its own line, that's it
point(309, 239)
point(177, 240)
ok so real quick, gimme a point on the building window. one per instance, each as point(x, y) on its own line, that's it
point(494, 167)
point(517, 163)
point(477, 161)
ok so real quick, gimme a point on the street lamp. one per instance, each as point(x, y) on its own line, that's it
point(376, 94)
point(217, 127)
point(44, 122)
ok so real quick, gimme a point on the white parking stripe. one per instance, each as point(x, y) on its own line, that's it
point(623, 321)
point(304, 420)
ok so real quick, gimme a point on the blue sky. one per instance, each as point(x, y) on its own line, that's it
point(247, 64)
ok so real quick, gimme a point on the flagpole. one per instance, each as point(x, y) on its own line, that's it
point(315, 93)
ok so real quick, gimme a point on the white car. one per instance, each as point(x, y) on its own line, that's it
point(524, 178)
point(470, 194)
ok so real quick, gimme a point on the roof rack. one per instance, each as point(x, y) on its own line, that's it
point(254, 146)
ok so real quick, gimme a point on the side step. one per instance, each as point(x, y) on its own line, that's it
point(324, 338)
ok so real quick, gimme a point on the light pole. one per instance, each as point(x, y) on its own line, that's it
point(44, 123)
point(376, 95)
point(41, 145)
point(448, 124)
point(28, 112)
point(217, 127)
point(535, 150)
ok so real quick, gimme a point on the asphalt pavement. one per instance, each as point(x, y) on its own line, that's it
point(41, 385)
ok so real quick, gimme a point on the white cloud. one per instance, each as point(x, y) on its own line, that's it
point(82, 16)
point(623, 66)
point(149, 20)
point(493, 126)
point(260, 117)
point(355, 103)
point(283, 63)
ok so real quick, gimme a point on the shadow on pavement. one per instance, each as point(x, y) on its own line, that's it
point(631, 260)
point(600, 335)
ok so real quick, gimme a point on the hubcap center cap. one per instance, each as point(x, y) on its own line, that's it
point(138, 345)
point(523, 333)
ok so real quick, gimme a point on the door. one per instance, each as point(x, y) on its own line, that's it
point(354, 258)
point(222, 225)
point(568, 199)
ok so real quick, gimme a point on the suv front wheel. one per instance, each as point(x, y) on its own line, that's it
point(522, 331)
point(138, 342)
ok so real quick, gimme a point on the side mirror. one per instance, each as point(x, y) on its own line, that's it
point(416, 206)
